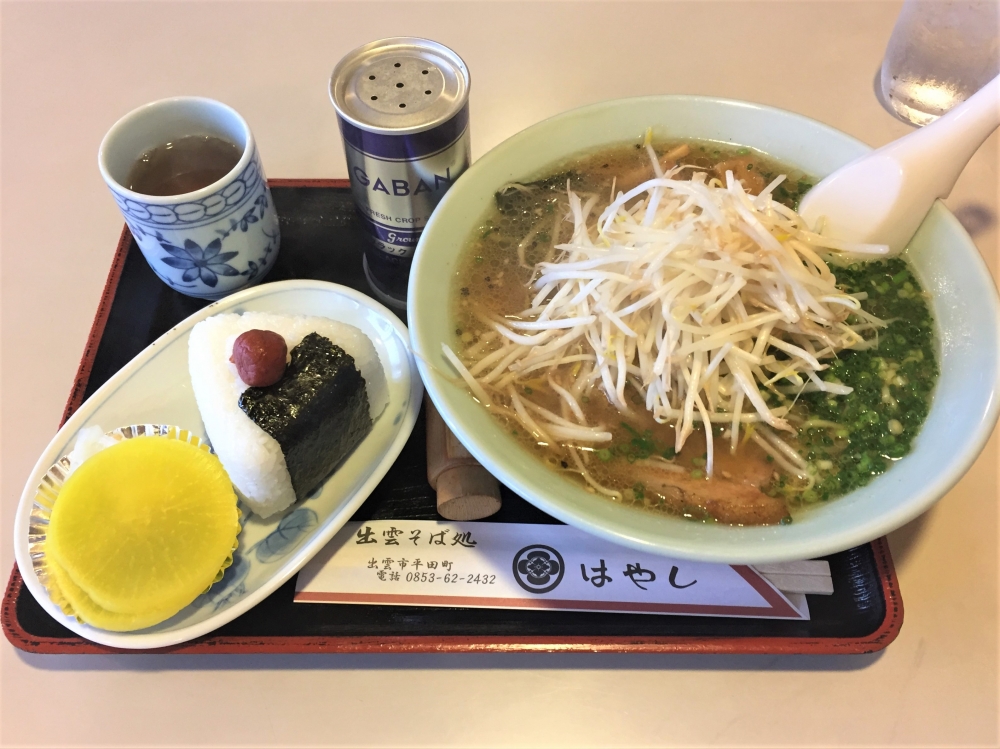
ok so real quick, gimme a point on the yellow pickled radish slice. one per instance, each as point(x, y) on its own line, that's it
point(144, 526)
point(85, 608)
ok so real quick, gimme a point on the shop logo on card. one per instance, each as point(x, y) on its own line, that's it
point(538, 569)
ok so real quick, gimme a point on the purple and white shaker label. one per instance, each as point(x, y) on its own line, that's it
point(397, 180)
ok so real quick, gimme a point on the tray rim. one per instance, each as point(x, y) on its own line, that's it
point(22, 640)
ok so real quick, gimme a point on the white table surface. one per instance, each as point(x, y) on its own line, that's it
point(70, 70)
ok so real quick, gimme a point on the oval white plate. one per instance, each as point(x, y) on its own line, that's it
point(154, 388)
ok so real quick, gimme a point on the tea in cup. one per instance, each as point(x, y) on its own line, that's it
point(187, 177)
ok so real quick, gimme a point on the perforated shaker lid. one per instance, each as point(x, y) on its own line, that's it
point(399, 86)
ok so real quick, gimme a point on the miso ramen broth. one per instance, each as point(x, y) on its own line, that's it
point(875, 392)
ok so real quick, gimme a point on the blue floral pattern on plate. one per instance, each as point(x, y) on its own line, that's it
point(229, 588)
point(282, 539)
point(277, 544)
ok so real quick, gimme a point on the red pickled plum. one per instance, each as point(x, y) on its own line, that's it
point(259, 356)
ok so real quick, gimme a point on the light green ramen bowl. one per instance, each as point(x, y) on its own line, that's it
point(964, 303)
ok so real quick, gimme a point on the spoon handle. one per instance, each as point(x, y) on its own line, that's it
point(882, 197)
point(939, 151)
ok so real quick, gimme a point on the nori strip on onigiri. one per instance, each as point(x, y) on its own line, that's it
point(317, 412)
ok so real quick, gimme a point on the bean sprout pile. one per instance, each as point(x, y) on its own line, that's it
point(702, 298)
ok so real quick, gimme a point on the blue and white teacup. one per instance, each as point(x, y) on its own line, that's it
point(210, 242)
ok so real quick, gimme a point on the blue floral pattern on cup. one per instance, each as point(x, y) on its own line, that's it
point(212, 246)
point(206, 263)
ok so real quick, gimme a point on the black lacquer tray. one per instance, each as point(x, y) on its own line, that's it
point(322, 239)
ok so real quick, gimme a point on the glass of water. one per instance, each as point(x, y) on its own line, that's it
point(940, 53)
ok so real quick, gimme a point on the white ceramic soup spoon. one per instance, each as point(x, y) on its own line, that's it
point(883, 197)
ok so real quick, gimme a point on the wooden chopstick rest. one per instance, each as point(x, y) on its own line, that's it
point(465, 490)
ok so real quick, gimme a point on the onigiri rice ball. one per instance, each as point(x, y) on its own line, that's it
point(251, 456)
